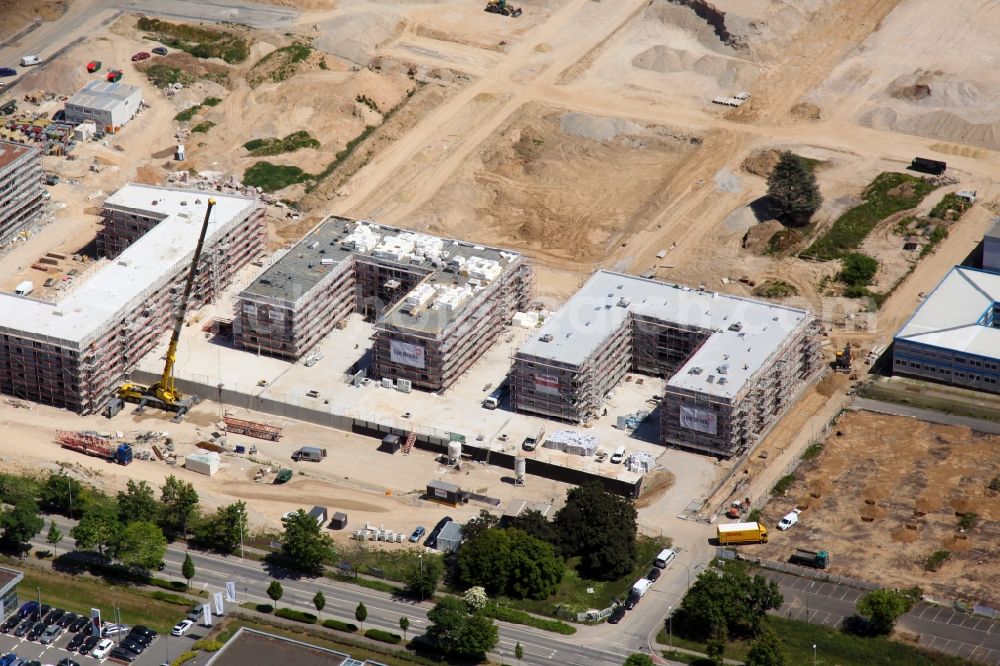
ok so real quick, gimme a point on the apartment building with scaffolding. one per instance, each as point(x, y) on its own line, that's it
point(21, 189)
point(732, 365)
point(72, 353)
point(437, 304)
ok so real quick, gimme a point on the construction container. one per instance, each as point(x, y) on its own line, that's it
point(339, 521)
point(319, 514)
point(203, 463)
point(391, 443)
point(444, 491)
point(520, 465)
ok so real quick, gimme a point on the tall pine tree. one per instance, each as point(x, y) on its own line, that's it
point(793, 190)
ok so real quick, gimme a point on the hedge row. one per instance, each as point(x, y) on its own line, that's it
point(298, 616)
point(340, 626)
point(384, 636)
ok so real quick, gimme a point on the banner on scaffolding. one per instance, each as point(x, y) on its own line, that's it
point(547, 384)
point(702, 420)
point(406, 353)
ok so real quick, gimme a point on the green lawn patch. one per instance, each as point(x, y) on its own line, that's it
point(188, 113)
point(775, 289)
point(783, 484)
point(572, 594)
point(379, 585)
point(273, 177)
point(276, 146)
point(935, 561)
point(161, 75)
point(175, 599)
point(515, 616)
point(889, 193)
point(81, 593)
point(832, 647)
point(212, 101)
point(279, 64)
point(198, 41)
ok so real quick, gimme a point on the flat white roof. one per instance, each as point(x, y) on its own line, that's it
point(952, 315)
point(103, 95)
point(745, 332)
point(147, 264)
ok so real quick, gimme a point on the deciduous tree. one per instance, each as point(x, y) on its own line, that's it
point(54, 536)
point(638, 659)
point(187, 569)
point(179, 504)
point(275, 592)
point(62, 494)
point(599, 527)
point(319, 601)
point(304, 543)
point(882, 608)
point(137, 503)
point(97, 530)
point(423, 578)
point(20, 523)
point(458, 633)
point(361, 614)
point(766, 650)
point(140, 544)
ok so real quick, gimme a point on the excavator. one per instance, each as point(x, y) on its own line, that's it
point(501, 7)
point(164, 394)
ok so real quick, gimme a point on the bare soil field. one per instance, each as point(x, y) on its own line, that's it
point(888, 492)
point(19, 14)
point(560, 184)
point(908, 77)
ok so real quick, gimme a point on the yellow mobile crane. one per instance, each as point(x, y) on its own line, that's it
point(163, 394)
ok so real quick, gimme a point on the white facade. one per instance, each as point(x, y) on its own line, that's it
point(105, 104)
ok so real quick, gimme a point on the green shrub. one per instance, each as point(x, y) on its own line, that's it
point(161, 75)
point(995, 483)
point(949, 202)
point(754, 516)
point(384, 636)
point(275, 146)
point(175, 585)
point(858, 270)
point(340, 626)
point(212, 101)
point(174, 599)
point(263, 608)
point(783, 484)
point(203, 126)
point(812, 451)
point(968, 520)
point(298, 616)
point(514, 616)
point(207, 645)
point(184, 657)
point(935, 561)
point(188, 114)
point(775, 289)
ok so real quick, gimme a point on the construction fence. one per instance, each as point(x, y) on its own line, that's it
point(377, 426)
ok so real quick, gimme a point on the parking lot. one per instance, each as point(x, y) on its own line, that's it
point(161, 650)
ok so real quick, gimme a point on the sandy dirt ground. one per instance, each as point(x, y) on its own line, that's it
point(886, 493)
point(19, 14)
point(371, 487)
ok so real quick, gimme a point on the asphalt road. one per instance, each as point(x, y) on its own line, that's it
point(384, 611)
point(939, 628)
point(979, 425)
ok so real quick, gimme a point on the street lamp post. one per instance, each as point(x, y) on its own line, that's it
point(420, 558)
point(814, 654)
point(670, 626)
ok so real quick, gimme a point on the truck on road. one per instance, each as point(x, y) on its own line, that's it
point(95, 445)
point(738, 533)
point(817, 559)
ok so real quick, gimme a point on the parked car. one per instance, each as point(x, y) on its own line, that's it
point(75, 642)
point(66, 661)
point(433, 538)
point(141, 55)
point(181, 628)
point(51, 633)
point(8, 71)
point(194, 613)
point(67, 620)
point(27, 607)
point(88, 645)
point(140, 630)
point(633, 599)
point(110, 629)
point(7, 659)
point(33, 662)
point(139, 639)
point(24, 627)
point(43, 610)
point(159, 50)
point(133, 646)
point(417, 533)
point(55, 615)
point(79, 623)
point(653, 575)
point(123, 654)
point(789, 519)
point(616, 615)
point(102, 648)
point(36, 631)
point(10, 624)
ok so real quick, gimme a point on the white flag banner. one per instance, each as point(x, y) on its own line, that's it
point(231, 592)
point(206, 615)
point(217, 598)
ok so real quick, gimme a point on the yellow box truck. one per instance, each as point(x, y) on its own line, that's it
point(737, 533)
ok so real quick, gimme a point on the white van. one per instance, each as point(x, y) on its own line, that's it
point(618, 455)
point(24, 288)
point(30, 60)
point(665, 557)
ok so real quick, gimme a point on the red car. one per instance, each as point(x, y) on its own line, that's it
point(141, 55)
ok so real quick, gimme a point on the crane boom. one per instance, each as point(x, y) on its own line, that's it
point(167, 391)
point(164, 394)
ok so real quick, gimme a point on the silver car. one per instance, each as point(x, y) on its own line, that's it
point(51, 633)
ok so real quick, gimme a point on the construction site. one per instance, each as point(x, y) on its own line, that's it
point(733, 366)
point(439, 304)
point(72, 350)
